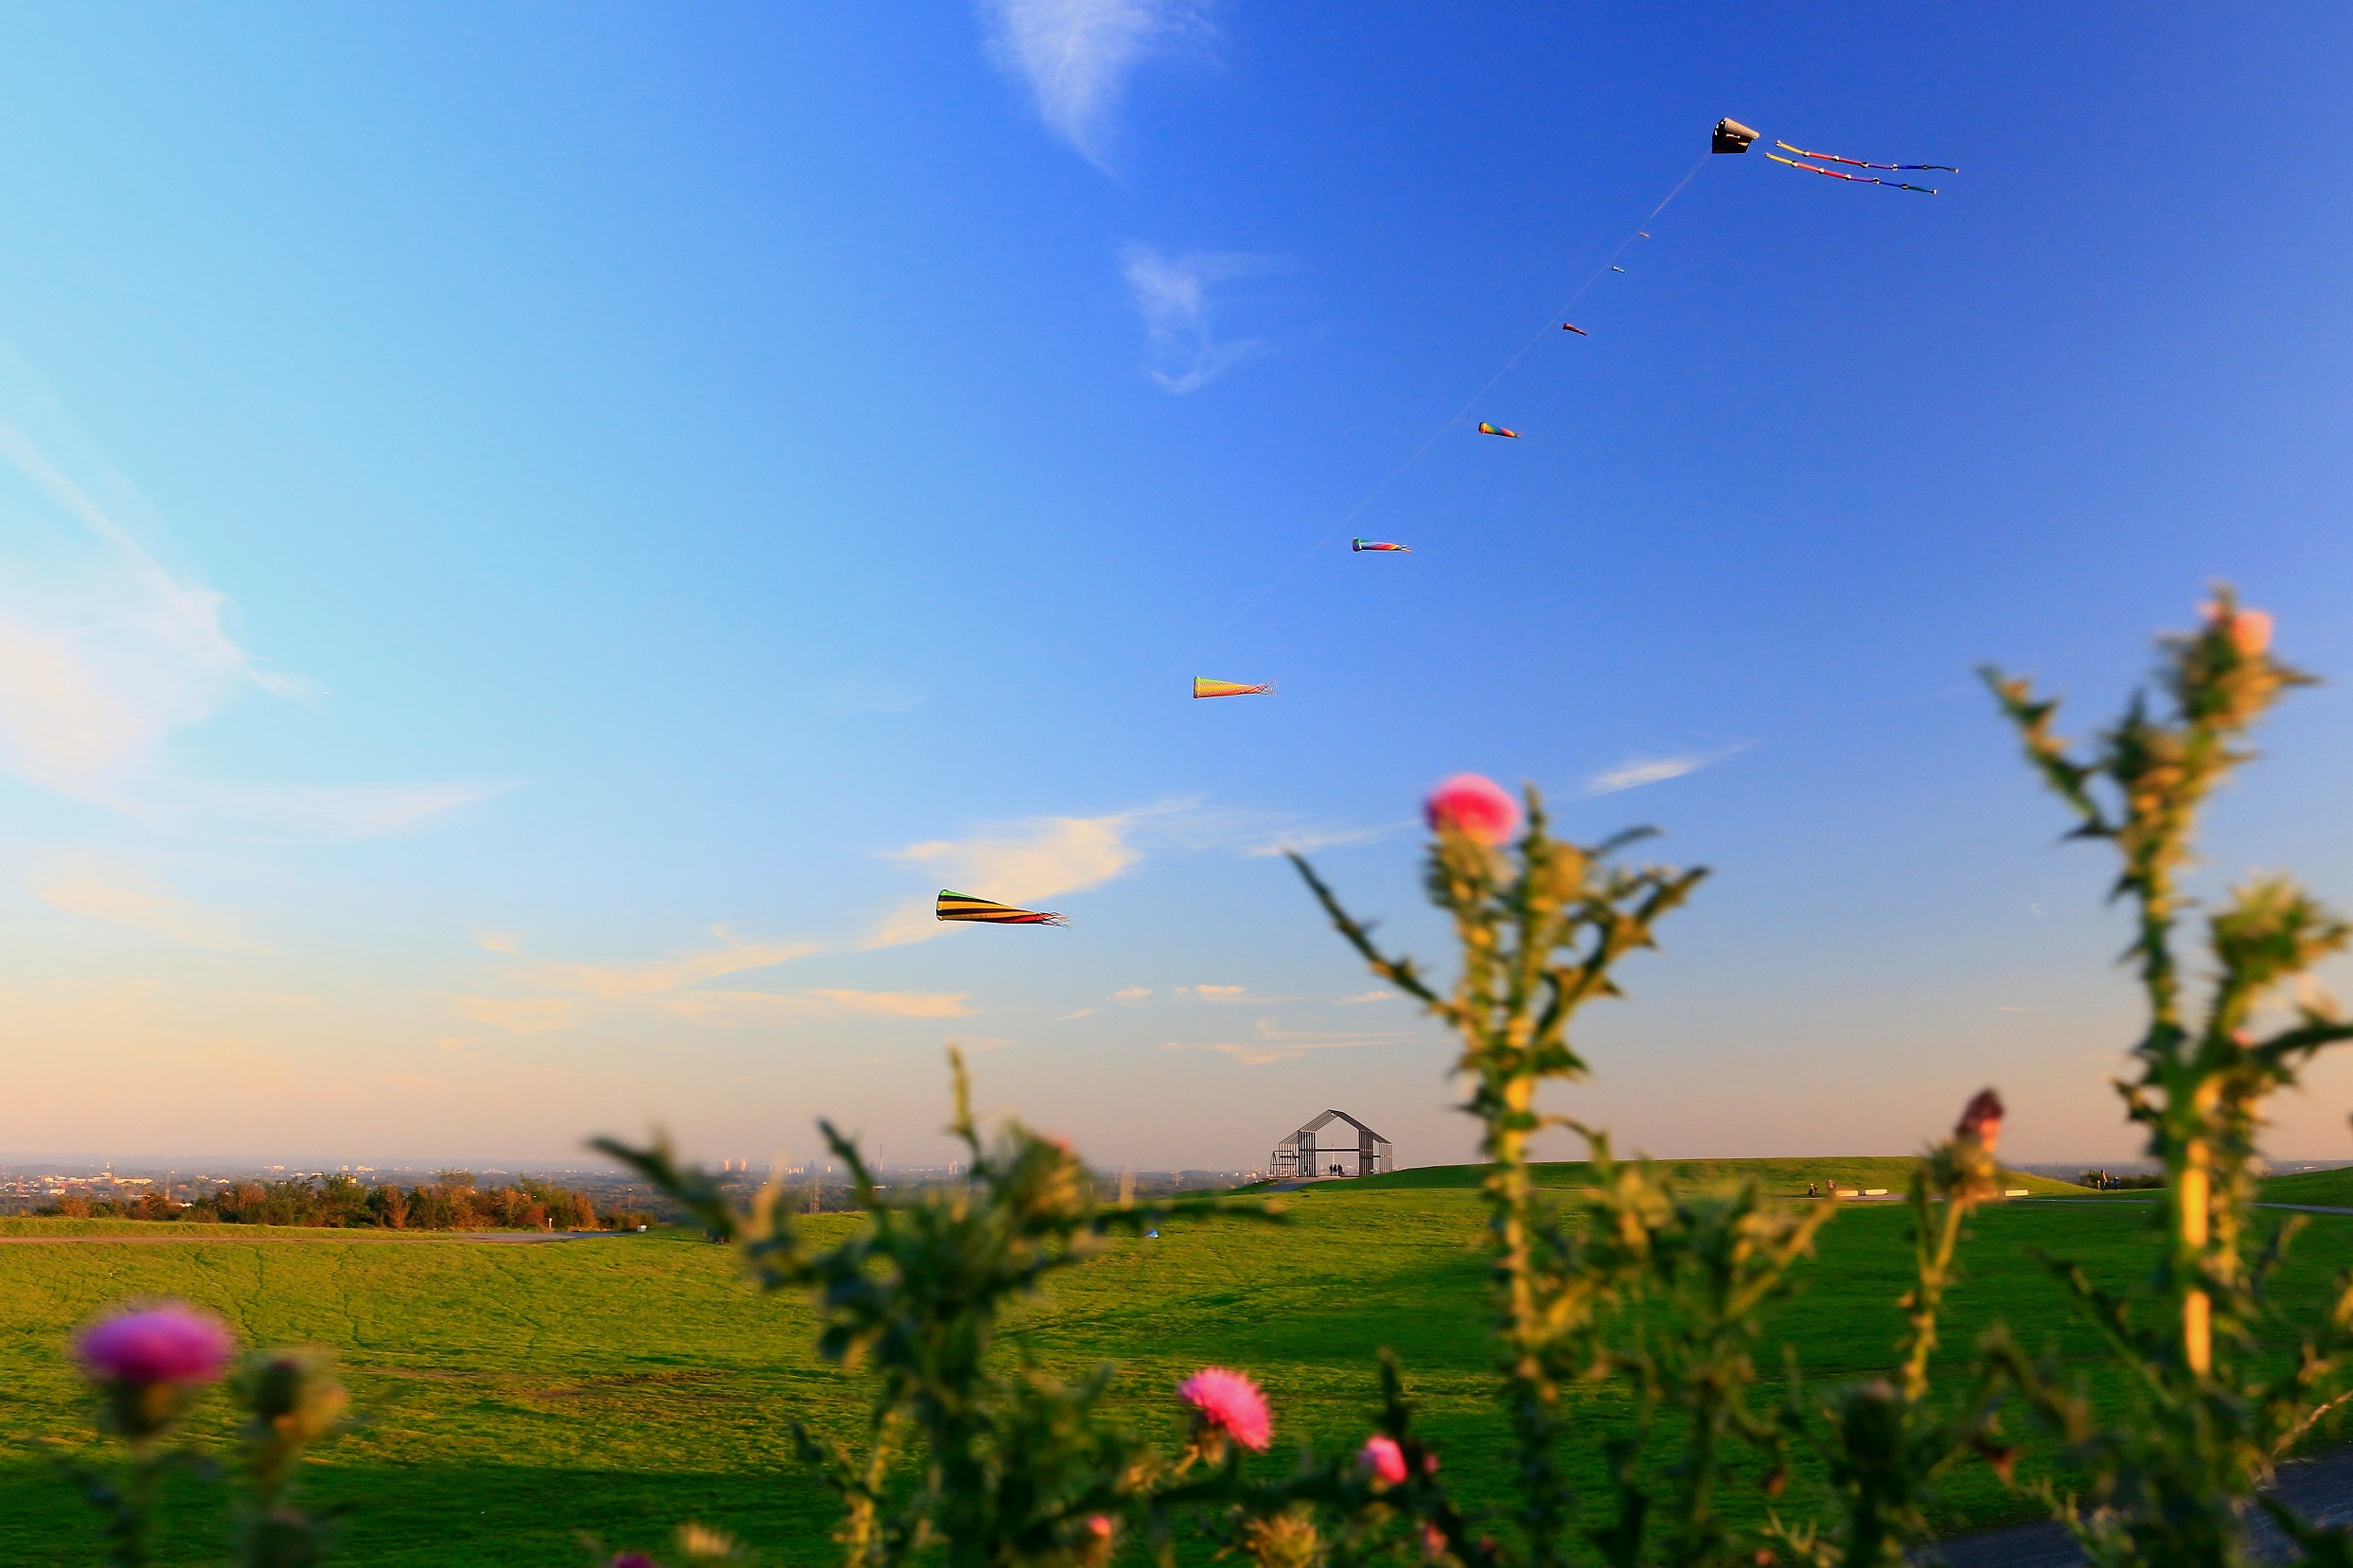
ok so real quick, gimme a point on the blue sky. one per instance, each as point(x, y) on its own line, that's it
point(533, 537)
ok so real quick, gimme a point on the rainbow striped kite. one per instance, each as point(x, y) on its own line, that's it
point(965, 906)
point(1204, 686)
point(1486, 428)
point(1378, 544)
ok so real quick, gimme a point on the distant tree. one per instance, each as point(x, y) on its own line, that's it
point(389, 1206)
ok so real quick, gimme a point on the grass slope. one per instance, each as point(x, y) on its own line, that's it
point(1780, 1177)
point(2333, 1188)
point(516, 1394)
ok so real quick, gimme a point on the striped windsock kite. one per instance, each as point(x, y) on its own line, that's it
point(965, 906)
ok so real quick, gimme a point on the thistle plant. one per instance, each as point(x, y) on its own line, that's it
point(149, 1366)
point(1658, 1288)
point(1542, 925)
point(1882, 1440)
point(293, 1401)
point(2172, 1484)
point(1017, 1466)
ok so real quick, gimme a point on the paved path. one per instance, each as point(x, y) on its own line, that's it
point(2320, 1488)
point(324, 1233)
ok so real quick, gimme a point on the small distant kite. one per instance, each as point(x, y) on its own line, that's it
point(1572, 326)
point(1644, 233)
point(1204, 686)
point(965, 906)
point(1615, 268)
point(1486, 428)
point(1377, 544)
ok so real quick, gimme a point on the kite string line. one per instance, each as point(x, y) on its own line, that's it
point(1453, 419)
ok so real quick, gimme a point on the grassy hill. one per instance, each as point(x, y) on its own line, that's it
point(513, 1395)
point(1781, 1177)
point(2331, 1188)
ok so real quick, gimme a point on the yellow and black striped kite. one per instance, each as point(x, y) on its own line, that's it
point(965, 906)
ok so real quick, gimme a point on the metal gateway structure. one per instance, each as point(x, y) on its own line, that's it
point(1365, 1152)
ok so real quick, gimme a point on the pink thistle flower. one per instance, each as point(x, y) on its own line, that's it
point(632, 1560)
point(1227, 1401)
point(1981, 1121)
point(1474, 806)
point(1382, 1459)
point(1100, 1525)
point(166, 1343)
point(2250, 630)
point(1433, 1541)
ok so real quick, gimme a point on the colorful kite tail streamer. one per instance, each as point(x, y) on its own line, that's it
point(1857, 163)
point(1851, 179)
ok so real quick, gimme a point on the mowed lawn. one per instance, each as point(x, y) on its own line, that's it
point(514, 1395)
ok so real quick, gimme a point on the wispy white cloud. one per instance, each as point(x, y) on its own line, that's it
point(1082, 1012)
point(663, 976)
point(900, 1004)
point(104, 650)
point(1223, 993)
point(1077, 55)
point(109, 648)
point(1130, 995)
point(1308, 841)
point(731, 1008)
point(1172, 293)
point(1361, 997)
point(121, 898)
point(519, 1015)
point(1636, 771)
point(1266, 1045)
point(1022, 863)
point(342, 811)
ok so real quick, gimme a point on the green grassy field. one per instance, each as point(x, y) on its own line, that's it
point(516, 1394)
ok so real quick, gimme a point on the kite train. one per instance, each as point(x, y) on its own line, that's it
point(1727, 136)
point(1732, 136)
point(965, 906)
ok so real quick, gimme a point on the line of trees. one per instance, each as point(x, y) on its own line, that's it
point(451, 1203)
